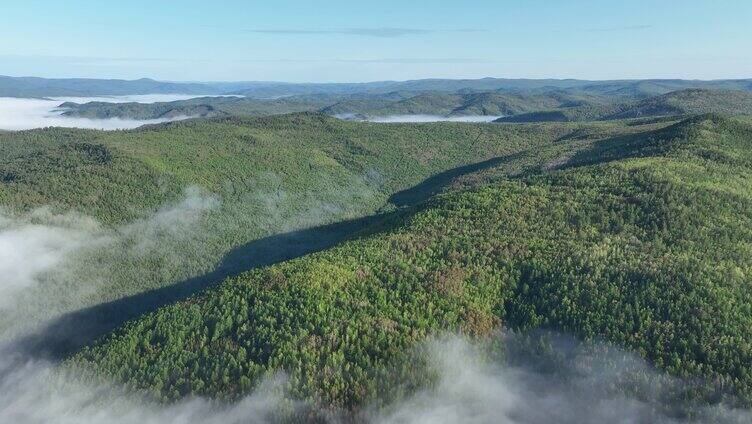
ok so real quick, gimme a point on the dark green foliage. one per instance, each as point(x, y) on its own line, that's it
point(677, 103)
point(199, 107)
point(640, 240)
point(271, 177)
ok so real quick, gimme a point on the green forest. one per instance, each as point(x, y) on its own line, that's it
point(331, 250)
point(639, 240)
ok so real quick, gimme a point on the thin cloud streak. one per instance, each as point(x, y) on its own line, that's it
point(385, 32)
point(620, 28)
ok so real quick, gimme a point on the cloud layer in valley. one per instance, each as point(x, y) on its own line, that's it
point(24, 114)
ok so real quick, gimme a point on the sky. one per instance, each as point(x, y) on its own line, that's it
point(351, 41)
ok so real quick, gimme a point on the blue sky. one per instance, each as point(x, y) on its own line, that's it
point(288, 40)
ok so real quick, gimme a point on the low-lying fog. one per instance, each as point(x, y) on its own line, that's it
point(25, 113)
point(566, 382)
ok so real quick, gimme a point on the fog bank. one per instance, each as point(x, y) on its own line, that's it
point(24, 114)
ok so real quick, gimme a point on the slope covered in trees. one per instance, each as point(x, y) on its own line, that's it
point(677, 103)
point(255, 191)
point(642, 240)
point(363, 105)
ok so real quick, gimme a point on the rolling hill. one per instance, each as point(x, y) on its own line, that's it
point(614, 88)
point(360, 105)
point(639, 239)
point(262, 186)
point(676, 103)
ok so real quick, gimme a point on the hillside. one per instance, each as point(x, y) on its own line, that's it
point(138, 111)
point(550, 106)
point(639, 239)
point(257, 186)
point(362, 105)
point(466, 104)
point(690, 102)
point(199, 107)
point(676, 103)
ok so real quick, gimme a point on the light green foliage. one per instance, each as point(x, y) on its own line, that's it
point(642, 240)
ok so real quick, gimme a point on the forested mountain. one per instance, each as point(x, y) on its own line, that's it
point(640, 239)
point(551, 106)
point(329, 249)
point(676, 103)
point(198, 107)
point(358, 105)
point(464, 104)
point(259, 181)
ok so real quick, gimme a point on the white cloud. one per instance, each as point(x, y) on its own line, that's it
point(50, 262)
point(25, 114)
point(571, 383)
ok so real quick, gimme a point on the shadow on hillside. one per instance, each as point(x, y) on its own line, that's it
point(75, 330)
point(434, 185)
point(642, 144)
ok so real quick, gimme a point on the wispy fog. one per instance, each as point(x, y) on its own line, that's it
point(39, 392)
point(514, 380)
point(50, 262)
point(569, 383)
point(432, 118)
point(24, 114)
point(565, 382)
point(35, 245)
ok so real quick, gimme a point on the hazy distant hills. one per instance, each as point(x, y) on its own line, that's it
point(554, 106)
point(40, 87)
point(621, 88)
point(359, 105)
point(43, 87)
point(682, 102)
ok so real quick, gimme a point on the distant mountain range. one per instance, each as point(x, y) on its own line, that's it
point(41, 87)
